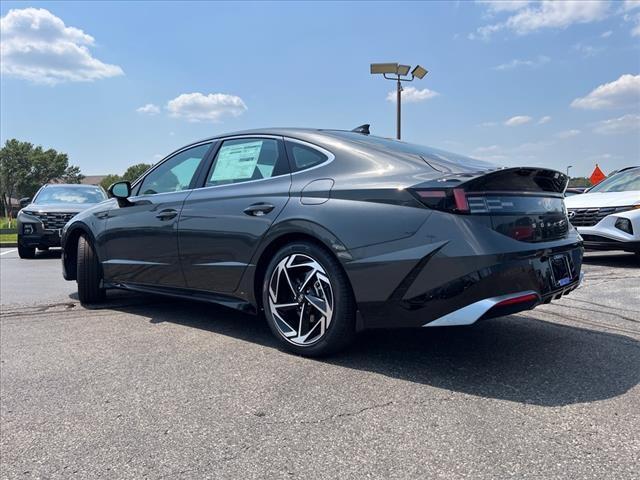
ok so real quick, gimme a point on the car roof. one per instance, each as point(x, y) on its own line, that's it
point(277, 131)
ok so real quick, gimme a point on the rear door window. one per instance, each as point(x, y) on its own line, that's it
point(303, 156)
point(245, 159)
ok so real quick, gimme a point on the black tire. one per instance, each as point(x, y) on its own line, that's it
point(88, 273)
point(25, 252)
point(341, 330)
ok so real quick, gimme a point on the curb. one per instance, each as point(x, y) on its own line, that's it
point(8, 245)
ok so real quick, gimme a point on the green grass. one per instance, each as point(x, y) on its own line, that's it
point(4, 223)
point(8, 238)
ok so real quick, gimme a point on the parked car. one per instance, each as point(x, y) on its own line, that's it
point(40, 221)
point(331, 232)
point(608, 214)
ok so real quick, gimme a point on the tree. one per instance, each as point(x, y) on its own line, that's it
point(72, 175)
point(109, 180)
point(14, 166)
point(578, 182)
point(131, 174)
point(25, 168)
point(135, 171)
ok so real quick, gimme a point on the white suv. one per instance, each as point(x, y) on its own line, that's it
point(607, 216)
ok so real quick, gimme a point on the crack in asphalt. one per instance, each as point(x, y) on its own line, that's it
point(613, 314)
point(601, 305)
point(334, 416)
point(593, 324)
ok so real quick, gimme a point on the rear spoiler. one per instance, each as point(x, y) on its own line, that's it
point(524, 180)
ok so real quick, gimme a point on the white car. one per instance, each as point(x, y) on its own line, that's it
point(607, 216)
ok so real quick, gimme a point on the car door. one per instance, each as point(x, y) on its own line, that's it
point(141, 241)
point(221, 224)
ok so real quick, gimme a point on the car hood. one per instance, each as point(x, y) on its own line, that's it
point(598, 200)
point(57, 208)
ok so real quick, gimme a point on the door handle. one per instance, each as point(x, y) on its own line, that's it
point(258, 209)
point(167, 214)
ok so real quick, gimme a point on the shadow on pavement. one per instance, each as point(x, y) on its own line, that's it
point(617, 260)
point(516, 358)
point(51, 253)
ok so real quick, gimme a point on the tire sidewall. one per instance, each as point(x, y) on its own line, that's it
point(341, 300)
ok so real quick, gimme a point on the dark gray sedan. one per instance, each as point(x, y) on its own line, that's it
point(331, 232)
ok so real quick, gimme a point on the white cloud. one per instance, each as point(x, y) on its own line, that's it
point(517, 120)
point(587, 50)
point(568, 133)
point(630, 5)
point(515, 63)
point(620, 93)
point(543, 120)
point(624, 124)
point(548, 14)
point(606, 34)
point(413, 95)
point(197, 107)
point(489, 149)
point(149, 109)
point(504, 5)
point(39, 47)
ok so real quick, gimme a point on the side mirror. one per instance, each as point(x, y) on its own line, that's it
point(121, 191)
point(25, 201)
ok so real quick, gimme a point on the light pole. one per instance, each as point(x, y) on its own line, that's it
point(399, 73)
point(568, 167)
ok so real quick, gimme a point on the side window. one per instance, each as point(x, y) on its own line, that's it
point(245, 159)
point(304, 157)
point(176, 173)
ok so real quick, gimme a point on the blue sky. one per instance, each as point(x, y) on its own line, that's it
point(518, 83)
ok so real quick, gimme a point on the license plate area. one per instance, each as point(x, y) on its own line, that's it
point(561, 270)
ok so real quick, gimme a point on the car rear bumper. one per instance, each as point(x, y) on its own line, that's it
point(412, 283)
point(478, 294)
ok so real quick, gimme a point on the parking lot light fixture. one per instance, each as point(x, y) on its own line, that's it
point(399, 73)
point(419, 72)
point(382, 68)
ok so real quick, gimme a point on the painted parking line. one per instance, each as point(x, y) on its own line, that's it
point(8, 251)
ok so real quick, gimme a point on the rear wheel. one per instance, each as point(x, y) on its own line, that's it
point(308, 300)
point(25, 252)
point(88, 273)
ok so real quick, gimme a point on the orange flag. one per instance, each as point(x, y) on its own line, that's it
point(597, 176)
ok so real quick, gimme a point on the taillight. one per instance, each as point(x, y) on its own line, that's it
point(447, 199)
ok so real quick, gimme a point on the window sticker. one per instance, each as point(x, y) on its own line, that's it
point(236, 162)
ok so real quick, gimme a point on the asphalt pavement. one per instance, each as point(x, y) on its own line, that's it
point(145, 387)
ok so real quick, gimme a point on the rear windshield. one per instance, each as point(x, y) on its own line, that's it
point(70, 195)
point(620, 182)
point(446, 161)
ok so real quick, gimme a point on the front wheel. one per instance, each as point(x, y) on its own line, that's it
point(308, 300)
point(88, 273)
point(25, 252)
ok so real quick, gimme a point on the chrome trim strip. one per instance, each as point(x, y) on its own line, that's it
point(117, 261)
point(221, 264)
point(472, 312)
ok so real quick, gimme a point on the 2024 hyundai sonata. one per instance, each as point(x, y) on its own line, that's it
point(331, 232)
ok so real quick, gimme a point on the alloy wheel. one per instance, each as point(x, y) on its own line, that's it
point(301, 299)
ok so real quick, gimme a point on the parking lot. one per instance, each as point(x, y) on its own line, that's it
point(150, 387)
